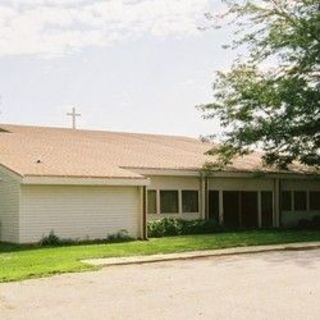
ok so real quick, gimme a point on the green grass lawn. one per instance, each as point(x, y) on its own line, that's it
point(21, 262)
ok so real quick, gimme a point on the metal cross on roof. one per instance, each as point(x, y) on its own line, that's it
point(74, 116)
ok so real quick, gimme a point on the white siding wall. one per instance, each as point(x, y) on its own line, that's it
point(179, 184)
point(9, 207)
point(78, 212)
point(290, 218)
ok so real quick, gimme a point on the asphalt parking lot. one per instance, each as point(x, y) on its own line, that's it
point(278, 285)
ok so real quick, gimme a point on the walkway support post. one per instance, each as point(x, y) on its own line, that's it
point(144, 233)
point(277, 200)
point(203, 196)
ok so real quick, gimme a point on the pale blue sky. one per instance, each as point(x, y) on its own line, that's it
point(137, 66)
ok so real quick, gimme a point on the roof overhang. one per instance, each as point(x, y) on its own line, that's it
point(223, 174)
point(263, 175)
point(165, 172)
point(42, 180)
point(145, 173)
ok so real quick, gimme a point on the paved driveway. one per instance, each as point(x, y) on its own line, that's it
point(261, 286)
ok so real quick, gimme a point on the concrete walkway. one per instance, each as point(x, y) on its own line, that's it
point(105, 262)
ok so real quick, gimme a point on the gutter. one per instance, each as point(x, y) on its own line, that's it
point(90, 181)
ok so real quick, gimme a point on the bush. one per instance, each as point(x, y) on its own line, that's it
point(120, 236)
point(316, 221)
point(304, 224)
point(52, 240)
point(174, 227)
point(313, 224)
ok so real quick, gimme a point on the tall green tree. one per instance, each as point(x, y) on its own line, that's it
point(270, 98)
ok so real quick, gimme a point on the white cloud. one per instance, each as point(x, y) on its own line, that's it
point(57, 27)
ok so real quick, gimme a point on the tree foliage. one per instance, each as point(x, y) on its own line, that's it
point(271, 97)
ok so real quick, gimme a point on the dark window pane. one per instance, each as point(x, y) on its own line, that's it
point(231, 209)
point(300, 201)
point(190, 201)
point(214, 205)
point(314, 200)
point(169, 201)
point(249, 209)
point(286, 201)
point(152, 201)
point(267, 209)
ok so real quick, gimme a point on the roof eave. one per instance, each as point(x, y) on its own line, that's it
point(89, 181)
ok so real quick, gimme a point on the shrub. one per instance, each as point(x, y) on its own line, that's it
point(173, 227)
point(120, 236)
point(53, 240)
point(316, 221)
point(304, 224)
point(313, 224)
point(200, 226)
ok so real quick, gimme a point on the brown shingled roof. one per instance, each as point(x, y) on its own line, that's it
point(39, 151)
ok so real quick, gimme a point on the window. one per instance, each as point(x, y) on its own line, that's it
point(286, 198)
point(300, 201)
point(169, 201)
point(314, 200)
point(190, 201)
point(152, 201)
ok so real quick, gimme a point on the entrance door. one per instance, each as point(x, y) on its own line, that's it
point(214, 205)
point(231, 206)
point(249, 209)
